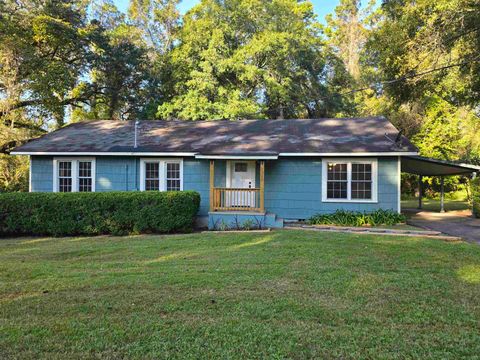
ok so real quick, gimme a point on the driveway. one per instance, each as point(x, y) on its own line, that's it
point(456, 223)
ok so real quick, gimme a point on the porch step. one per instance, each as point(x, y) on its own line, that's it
point(273, 221)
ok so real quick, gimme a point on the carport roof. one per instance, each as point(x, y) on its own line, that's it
point(424, 166)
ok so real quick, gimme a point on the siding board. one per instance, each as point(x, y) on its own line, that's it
point(293, 187)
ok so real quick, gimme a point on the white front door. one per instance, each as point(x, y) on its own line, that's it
point(242, 176)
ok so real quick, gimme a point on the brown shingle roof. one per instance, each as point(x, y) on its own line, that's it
point(225, 137)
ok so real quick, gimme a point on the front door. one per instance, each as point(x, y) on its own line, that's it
point(242, 176)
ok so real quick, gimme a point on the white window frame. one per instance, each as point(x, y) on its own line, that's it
point(74, 162)
point(162, 170)
point(349, 162)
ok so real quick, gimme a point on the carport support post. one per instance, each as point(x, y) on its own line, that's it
point(420, 191)
point(442, 195)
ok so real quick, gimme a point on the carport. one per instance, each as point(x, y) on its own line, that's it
point(423, 166)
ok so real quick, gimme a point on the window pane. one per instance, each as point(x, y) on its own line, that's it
point(173, 185)
point(173, 171)
point(65, 184)
point(241, 167)
point(152, 170)
point(152, 185)
point(64, 169)
point(337, 171)
point(336, 189)
point(173, 176)
point(85, 169)
point(84, 184)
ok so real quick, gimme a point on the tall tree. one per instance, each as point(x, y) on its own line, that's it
point(117, 69)
point(254, 58)
point(158, 19)
point(347, 32)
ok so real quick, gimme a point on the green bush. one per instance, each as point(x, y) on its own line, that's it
point(355, 218)
point(476, 196)
point(118, 213)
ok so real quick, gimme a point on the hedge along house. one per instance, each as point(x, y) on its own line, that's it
point(266, 171)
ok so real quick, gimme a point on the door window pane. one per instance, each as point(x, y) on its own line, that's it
point(241, 167)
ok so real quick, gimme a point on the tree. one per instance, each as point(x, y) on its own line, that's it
point(158, 19)
point(43, 51)
point(426, 53)
point(117, 69)
point(238, 59)
point(347, 32)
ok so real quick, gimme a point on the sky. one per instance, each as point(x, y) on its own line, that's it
point(322, 7)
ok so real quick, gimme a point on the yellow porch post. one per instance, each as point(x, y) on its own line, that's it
point(262, 185)
point(212, 182)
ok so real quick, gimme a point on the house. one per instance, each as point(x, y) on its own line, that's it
point(275, 170)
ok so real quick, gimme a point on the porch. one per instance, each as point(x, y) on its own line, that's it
point(244, 191)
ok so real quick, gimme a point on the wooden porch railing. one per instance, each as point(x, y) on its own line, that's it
point(236, 199)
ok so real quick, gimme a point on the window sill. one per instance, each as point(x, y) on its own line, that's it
point(359, 201)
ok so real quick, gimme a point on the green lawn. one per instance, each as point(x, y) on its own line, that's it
point(284, 294)
point(434, 205)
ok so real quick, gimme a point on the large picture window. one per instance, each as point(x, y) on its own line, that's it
point(72, 175)
point(161, 174)
point(349, 180)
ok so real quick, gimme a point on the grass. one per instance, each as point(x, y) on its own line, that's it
point(434, 205)
point(284, 294)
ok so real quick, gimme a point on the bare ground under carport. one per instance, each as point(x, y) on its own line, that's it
point(455, 223)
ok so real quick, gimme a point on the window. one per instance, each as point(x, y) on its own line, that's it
point(85, 176)
point(241, 167)
point(349, 180)
point(72, 175)
point(65, 176)
point(152, 176)
point(161, 174)
point(173, 176)
point(362, 181)
point(337, 181)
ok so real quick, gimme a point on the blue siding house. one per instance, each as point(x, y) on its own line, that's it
point(273, 170)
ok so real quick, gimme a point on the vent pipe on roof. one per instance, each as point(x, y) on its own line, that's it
point(135, 137)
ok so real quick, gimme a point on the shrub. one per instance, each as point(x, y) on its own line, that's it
point(118, 213)
point(476, 196)
point(355, 218)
